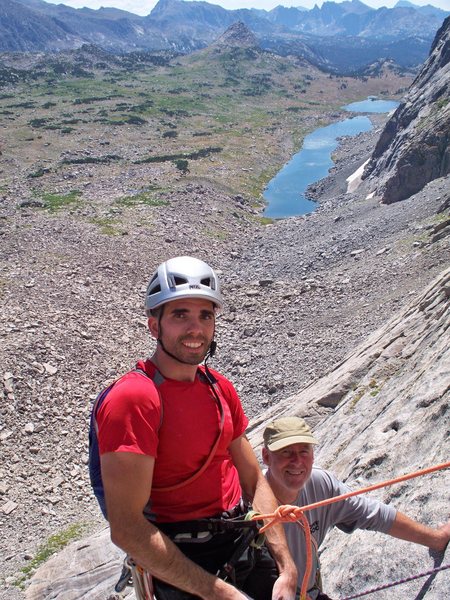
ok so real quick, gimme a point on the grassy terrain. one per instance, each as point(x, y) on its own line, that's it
point(228, 116)
point(53, 544)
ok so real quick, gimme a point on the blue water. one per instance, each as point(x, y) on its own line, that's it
point(285, 193)
point(371, 106)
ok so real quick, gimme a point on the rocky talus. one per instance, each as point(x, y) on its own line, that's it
point(381, 413)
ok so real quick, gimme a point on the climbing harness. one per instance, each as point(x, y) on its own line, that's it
point(250, 537)
point(134, 575)
point(288, 514)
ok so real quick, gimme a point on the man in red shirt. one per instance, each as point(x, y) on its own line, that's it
point(173, 454)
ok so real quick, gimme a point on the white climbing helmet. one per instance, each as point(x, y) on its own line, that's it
point(182, 277)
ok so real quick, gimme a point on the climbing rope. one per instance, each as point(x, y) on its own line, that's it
point(288, 514)
point(308, 566)
point(399, 582)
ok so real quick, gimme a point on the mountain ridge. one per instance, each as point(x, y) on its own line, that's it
point(187, 26)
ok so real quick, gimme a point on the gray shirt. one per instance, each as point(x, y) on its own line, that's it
point(357, 512)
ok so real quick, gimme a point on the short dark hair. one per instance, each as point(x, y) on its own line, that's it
point(157, 312)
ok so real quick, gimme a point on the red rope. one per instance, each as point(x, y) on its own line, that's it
point(308, 566)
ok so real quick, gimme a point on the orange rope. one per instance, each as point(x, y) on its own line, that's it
point(308, 566)
point(287, 513)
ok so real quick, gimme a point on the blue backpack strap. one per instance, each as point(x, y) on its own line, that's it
point(95, 473)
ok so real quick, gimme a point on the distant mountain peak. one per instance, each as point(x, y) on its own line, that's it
point(342, 37)
point(237, 35)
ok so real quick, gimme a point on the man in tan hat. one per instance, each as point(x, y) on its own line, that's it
point(289, 455)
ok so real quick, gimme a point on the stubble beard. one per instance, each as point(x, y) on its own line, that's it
point(187, 356)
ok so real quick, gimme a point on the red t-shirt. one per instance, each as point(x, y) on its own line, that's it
point(180, 438)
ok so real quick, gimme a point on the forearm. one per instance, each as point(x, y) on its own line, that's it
point(407, 529)
point(255, 487)
point(264, 502)
point(156, 553)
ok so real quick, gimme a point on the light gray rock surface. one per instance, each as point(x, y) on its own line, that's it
point(383, 413)
point(85, 570)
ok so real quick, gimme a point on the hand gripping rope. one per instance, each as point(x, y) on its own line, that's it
point(287, 513)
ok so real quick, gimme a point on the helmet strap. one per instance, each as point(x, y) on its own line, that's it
point(211, 351)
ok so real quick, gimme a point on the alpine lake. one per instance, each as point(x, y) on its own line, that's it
point(285, 193)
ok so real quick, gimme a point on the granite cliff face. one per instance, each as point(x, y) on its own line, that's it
point(380, 414)
point(414, 147)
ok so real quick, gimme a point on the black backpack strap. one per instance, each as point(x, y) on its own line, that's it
point(157, 378)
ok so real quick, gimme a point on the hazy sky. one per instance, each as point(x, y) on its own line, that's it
point(143, 7)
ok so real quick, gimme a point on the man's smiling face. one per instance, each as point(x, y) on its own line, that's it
point(186, 328)
point(289, 469)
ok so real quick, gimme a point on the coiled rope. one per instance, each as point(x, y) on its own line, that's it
point(288, 513)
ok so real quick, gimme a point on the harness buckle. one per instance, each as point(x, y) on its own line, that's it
point(201, 536)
